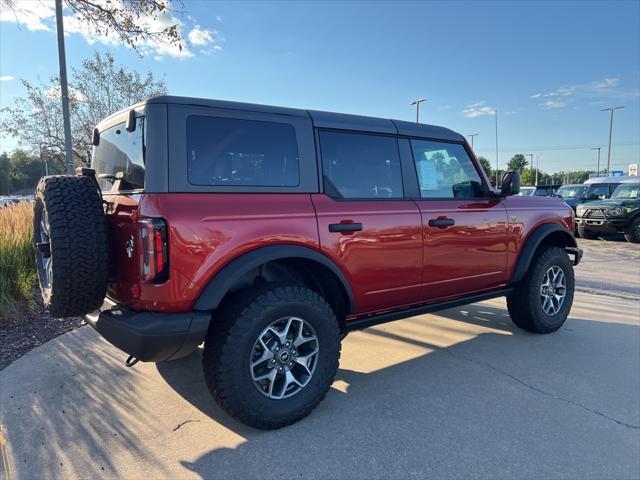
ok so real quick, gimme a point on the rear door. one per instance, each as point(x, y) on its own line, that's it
point(465, 229)
point(366, 224)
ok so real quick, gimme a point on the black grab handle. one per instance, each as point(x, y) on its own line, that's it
point(345, 227)
point(442, 222)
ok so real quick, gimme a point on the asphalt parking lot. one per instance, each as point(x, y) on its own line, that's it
point(462, 393)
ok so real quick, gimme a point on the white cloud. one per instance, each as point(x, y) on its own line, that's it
point(479, 109)
point(40, 15)
point(199, 36)
point(6, 78)
point(553, 104)
point(597, 87)
point(35, 15)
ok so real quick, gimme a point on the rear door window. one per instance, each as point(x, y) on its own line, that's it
point(360, 165)
point(237, 152)
point(445, 170)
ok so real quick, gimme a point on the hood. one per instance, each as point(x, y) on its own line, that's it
point(610, 203)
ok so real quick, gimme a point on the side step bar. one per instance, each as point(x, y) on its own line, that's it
point(372, 320)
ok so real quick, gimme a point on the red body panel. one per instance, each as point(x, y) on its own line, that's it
point(526, 214)
point(395, 261)
point(468, 256)
point(206, 231)
point(383, 262)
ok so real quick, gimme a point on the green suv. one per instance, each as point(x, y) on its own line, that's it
point(620, 213)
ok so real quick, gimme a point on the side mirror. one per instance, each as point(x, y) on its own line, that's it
point(130, 126)
point(510, 184)
point(95, 137)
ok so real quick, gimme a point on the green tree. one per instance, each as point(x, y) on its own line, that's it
point(486, 166)
point(5, 169)
point(97, 89)
point(528, 178)
point(517, 163)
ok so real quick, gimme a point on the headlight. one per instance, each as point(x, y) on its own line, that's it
point(580, 210)
point(614, 211)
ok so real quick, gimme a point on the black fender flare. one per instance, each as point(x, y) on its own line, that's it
point(213, 293)
point(533, 242)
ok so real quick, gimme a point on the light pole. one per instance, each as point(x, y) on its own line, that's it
point(417, 104)
point(64, 90)
point(598, 164)
point(537, 168)
point(471, 135)
point(610, 109)
point(496, 114)
point(530, 155)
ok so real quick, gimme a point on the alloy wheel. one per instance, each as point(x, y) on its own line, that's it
point(284, 357)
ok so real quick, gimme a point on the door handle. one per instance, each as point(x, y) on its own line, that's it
point(442, 222)
point(345, 227)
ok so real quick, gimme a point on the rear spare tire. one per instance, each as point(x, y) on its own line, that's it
point(70, 240)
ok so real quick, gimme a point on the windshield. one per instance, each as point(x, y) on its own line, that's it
point(526, 191)
point(627, 192)
point(118, 159)
point(571, 191)
point(598, 191)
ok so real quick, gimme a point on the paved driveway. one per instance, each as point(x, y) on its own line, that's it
point(458, 394)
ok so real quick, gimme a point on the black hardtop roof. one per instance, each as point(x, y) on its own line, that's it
point(321, 119)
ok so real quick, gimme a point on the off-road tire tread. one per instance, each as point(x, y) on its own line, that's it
point(79, 244)
point(235, 318)
point(523, 302)
point(631, 234)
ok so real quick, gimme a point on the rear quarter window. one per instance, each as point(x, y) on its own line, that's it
point(238, 152)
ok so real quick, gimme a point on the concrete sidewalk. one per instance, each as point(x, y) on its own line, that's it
point(459, 394)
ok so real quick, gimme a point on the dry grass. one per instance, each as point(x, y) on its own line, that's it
point(17, 264)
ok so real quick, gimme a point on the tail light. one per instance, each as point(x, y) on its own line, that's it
point(154, 258)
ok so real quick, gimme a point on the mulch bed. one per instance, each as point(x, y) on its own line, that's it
point(26, 329)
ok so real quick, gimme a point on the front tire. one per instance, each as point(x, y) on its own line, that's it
point(632, 234)
point(586, 234)
point(244, 360)
point(542, 301)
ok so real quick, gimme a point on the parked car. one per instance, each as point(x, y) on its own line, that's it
point(601, 188)
point(268, 233)
point(618, 214)
point(573, 194)
point(538, 191)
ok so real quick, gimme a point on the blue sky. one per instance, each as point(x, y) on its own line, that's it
point(547, 67)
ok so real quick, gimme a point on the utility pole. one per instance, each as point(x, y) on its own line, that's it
point(417, 104)
point(537, 168)
point(610, 109)
point(64, 89)
point(496, 114)
point(471, 135)
point(598, 164)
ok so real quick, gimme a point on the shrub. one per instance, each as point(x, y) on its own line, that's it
point(17, 263)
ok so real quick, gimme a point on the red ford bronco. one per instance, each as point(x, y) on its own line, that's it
point(268, 233)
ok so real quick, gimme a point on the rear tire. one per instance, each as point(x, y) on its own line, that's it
point(632, 234)
point(536, 308)
point(586, 234)
point(248, 322)
point(70, 241)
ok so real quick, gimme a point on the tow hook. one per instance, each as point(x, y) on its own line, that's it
point(576, 252)
point(131, 361)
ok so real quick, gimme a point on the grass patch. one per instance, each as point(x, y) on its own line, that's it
point(17, 263)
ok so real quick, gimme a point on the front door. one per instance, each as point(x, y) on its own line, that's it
point(465, 229)
point(365, 224)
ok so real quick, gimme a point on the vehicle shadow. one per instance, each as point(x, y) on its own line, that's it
point(475, 397)
point(76, 404)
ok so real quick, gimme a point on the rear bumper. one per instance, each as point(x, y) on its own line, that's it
point(150, 336)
